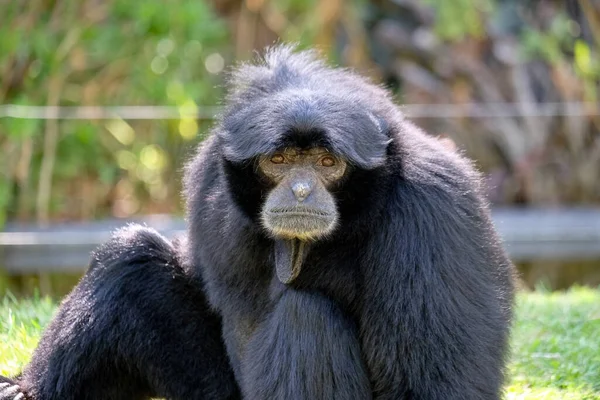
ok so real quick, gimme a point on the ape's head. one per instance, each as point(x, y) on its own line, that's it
point(293, 136)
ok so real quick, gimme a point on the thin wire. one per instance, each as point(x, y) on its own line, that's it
point(501, 110)
point(466, 110)
point(109, 112)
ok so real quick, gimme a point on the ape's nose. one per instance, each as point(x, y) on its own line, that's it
point(301, 190)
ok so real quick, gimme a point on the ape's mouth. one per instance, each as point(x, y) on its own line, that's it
point(297, 225)
point(300, 211)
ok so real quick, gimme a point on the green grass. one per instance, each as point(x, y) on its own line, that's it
point(556, 346)
point(555, 342)
point(21, 323)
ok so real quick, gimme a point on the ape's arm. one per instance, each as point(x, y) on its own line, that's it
point(135, 327)
point(306, 349)
point(437, 309)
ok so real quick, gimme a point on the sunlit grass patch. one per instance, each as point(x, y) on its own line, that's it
point(555, 342)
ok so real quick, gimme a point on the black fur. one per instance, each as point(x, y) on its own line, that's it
point(409, 298)
point(135, 327)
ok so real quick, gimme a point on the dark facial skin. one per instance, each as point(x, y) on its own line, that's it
point(299, 209)
point(300, 205)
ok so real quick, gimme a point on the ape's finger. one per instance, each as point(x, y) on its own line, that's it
point(20, 396)
point(7, 391)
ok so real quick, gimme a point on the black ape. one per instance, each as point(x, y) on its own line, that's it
point(348, 255)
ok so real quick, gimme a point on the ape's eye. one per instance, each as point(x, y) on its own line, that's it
point(278, 159)
point(327, 161)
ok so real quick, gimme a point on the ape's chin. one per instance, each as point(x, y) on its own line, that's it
point(297, 225)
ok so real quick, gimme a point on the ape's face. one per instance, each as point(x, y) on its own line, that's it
point(299, 208)
point(300, 205)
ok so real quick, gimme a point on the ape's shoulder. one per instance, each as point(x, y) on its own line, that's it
point(132, 245)
point(425, 161)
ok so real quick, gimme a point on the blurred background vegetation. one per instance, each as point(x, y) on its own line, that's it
point(533, 63)
point(118, 52)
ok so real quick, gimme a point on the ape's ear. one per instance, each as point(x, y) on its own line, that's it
point(380, 123)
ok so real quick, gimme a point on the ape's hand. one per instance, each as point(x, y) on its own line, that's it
point(10, 390)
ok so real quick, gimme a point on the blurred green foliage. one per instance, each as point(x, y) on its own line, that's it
point(117, 52)
point(541, 57)
point(114, 52)
point(560, 44)
point(458, 19)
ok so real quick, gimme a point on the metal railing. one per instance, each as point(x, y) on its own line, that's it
point(528, 234)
